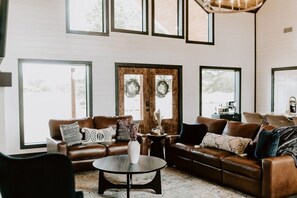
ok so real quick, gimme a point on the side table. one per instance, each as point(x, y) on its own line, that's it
point(156, 146)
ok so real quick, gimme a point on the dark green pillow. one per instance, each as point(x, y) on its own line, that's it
point(267, 144)
point(192, 133)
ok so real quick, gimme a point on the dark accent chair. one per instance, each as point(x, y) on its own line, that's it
point(43, 175)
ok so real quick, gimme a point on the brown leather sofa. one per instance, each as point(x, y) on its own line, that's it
point(272, 177)
point(82, 156)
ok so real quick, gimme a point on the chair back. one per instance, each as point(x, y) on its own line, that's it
point(256, 118)
point(44, 175)
point(279, 120)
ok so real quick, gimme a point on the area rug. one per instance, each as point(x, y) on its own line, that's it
point(175, 184)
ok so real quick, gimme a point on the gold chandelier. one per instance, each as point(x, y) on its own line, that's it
point(230, 6)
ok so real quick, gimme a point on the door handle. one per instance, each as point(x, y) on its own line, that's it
point(147, 105)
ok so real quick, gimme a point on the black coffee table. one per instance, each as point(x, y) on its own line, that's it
point(120, 164)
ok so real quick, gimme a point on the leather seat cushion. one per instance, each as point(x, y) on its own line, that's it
point(239, 129)
point(210, 156)
point(248, 167)
point(88, 151)
point(116, 148)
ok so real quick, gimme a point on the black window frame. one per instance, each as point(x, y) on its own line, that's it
point(273, 70)
point(105, 21)
point(144, 19)
point(89, 110)
point(235, 69)
point(212, 26)
point(180, 21)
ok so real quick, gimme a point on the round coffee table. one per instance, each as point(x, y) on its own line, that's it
point(120, 164)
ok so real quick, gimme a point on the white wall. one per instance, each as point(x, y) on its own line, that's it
point(274, 48)
point(36, 30)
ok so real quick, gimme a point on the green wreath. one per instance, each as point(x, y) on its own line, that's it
point(132, 88)
point(162, 88)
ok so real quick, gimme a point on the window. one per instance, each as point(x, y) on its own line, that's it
point(129, 16)
point(218, 87)
point(284, 85)
point(200, 28)
point(87, 17)
point(168, 18)
point(51, 90)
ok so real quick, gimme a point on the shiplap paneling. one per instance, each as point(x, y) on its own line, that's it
point(37, 30)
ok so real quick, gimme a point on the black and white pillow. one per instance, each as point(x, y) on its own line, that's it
point(70, 134)
point(97, 135)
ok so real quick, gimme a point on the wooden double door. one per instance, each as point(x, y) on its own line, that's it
point(144, 89)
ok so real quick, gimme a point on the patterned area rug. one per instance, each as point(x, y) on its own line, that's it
point(175, 184)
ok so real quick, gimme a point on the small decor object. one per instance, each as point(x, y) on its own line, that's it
point(158, 117)
point(132, 88)
point(133, 145)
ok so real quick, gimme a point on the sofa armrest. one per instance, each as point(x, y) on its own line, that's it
point(143, 141)
point(56, 146)
point(171, 139)
point(279, 176)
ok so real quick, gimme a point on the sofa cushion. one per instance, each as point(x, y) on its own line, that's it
point(89, 151)
point(116, 148)
point(210, 156)
point(54, 125)
point(239, 129)
point(97, 135)
point(101, 122)
point(267, 144)
point(213, 125)
point(192, 133)
point(70, 134)
point(248, 167)
point(232, 144)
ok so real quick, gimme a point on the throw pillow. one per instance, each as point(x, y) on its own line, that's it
point(70, 134)
point(267, 144)
point(97, 135)
point(232, 144)
point(192, 133)
point(123, 129)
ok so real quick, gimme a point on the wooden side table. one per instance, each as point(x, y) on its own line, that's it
point(156, 146)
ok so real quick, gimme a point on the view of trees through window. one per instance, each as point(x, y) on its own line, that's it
point(129, 15)
point(87, 16)
point(218, 87)
point(51, 90)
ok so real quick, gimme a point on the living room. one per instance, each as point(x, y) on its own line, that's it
point(256, 43)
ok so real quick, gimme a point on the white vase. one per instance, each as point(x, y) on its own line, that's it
point(133, 151)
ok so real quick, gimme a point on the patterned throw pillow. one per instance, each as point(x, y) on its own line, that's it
point(232, 144)
point(97, 135)
point(123, 129)
point(70, 134)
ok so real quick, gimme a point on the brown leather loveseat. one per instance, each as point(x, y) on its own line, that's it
point(271, 177)
point(82, 156)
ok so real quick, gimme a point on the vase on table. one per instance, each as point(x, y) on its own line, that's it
point(133, 151)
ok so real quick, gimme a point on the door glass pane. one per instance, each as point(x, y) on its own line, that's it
point(133, 97)
point(163, 96)
point(219, 87)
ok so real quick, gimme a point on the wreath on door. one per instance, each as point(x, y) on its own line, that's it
point(132, 88)
point(162, 88)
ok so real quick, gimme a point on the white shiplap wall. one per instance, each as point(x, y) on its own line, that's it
point(36, 30)
point(274, 48)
